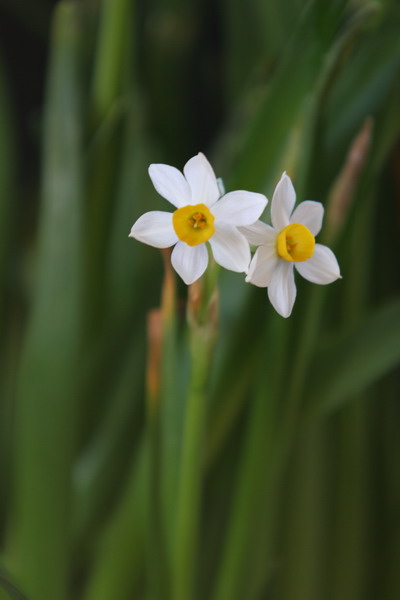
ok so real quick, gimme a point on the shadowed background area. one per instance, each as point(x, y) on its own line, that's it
point(298, 490)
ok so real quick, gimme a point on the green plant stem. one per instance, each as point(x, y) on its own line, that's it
point(256, 476)
point(170, 433)
point(247, 506)
point(303, 357)
point(189, 492)
point(229, 393)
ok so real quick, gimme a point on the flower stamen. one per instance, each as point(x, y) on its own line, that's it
point(198, 221)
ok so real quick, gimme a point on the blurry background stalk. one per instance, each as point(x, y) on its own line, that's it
point(261, 463)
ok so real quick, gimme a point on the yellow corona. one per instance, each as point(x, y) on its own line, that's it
point(193, 224)
point(295, 243)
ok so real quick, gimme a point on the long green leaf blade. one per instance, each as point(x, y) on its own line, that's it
point(47, 390)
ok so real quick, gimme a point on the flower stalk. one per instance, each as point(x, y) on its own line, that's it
point(202, 310)
point(161, 336)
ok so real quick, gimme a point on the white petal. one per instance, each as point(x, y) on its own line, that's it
point(310, 214)
point(321, 268)
point(202, 181)
point(170, 184)
point(239, 208)
point(230, 249)
point(155, 228)
point(259, 233)
point(262, 266)
point(189, 262)
point(282, 289)
point(282, 204)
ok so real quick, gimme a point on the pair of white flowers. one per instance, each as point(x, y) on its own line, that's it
point(229, 223)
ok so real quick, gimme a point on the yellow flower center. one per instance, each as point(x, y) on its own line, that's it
point(295, 243)
point(193, 224)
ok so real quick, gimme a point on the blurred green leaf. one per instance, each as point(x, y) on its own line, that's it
point(101, 467)
point(271, 125)
point(7, 585)
point(358, 90)
point(118, 562)
point(7, 199)
point(357, 359)
point(114, 29)
point(49, 372)
point(8, 169)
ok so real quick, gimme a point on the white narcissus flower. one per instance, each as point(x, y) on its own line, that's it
point(289, 244)
point(201, 216)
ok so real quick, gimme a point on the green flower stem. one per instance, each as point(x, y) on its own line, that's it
point(226, 417)
point(256, 475)
point(170, 410)
point(259, 482)
point(240, 539)
point(189, 491)
point(307, 340)
point(162, 424)
point(288, 427)
point(229, 393)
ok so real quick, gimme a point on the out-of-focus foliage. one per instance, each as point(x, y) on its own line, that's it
point(140, 457)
